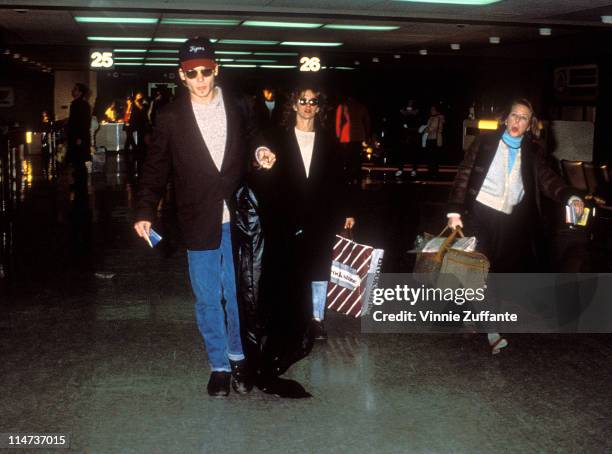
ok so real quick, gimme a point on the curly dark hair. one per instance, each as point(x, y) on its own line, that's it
point(288, 120)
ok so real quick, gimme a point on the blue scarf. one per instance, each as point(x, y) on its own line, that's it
point(513, 144)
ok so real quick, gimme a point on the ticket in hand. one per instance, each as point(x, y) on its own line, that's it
point(153, 238)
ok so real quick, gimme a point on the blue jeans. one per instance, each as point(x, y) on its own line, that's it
point(213, 279)
point(319, 295)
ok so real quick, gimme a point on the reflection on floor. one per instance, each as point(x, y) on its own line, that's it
point(98, 340)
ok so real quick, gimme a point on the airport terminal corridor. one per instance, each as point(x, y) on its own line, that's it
point(99, 341)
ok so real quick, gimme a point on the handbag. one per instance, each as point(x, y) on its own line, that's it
point(353, 277)
point(431, 262)
point(448, 267)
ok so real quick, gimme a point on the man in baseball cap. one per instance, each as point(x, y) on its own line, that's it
point(192, 145)
point(197, 52)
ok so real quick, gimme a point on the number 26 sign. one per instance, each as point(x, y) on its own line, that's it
point(310, 64)
point(101, 59)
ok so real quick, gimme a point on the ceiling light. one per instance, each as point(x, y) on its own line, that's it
point(248, 42)
point(128, 64)
point(455, 46)
point(163, 51)
point(239, 66)
point(361, 27)
point(170, 40)
point(129, 58)
point(375, 60)
point(219, 22)
point(545, 31)
point(357, 62)
point(397, 56)
point(116, 20)
point(494, 39)
point(118, 38)
point(256, 61)
point(161, 58)
point(160, 64)
point(221, 60)
point(278, 54)
point(232, 52)
point(261, 23)
point(606, 19)
point(309, 44)
point(343, 68)
point(278, 66)
point(454, 2)
point(423, 52)
point(130, 50)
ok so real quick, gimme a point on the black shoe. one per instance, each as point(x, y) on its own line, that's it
point(318, 330)
point(219, 384)
point(240, 377)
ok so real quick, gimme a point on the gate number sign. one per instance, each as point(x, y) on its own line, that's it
point(310, 64)
point(101, 59)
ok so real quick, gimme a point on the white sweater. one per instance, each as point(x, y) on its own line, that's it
point(500, 190)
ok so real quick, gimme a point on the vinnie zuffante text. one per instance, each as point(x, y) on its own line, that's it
point(415, 295)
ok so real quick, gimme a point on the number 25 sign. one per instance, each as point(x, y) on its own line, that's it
point(101, 59)
point(310, 64)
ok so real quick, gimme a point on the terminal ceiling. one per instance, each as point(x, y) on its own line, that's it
point(48, 34)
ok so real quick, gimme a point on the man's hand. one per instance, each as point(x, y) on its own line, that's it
point(454, 221)
point(142, 229)
point(349, 223)
point(265, 157)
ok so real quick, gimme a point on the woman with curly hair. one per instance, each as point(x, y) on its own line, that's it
point(304, 203)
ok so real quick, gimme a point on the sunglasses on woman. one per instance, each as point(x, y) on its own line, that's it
point(193, 73)
point(310, 102)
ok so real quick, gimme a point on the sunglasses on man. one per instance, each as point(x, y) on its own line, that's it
point(310, 102)
point(193, 73)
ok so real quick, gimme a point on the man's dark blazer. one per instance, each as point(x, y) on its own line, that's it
point(177, 149)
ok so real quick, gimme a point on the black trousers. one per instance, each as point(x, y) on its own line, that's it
point(504, 238)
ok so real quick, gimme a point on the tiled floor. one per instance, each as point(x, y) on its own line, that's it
point(98, 340)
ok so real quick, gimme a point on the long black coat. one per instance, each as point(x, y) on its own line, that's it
point(300, 217)
point(307, 211)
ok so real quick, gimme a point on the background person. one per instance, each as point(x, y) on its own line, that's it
point(78, 134)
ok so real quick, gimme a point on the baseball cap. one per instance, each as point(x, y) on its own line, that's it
point(196, 52)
